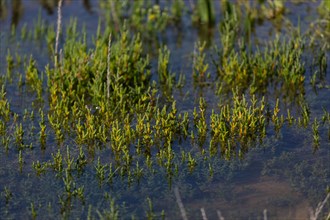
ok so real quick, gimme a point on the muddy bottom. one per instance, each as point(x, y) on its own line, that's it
point(250, 201)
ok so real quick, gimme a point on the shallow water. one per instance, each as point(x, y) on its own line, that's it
point(282, 176)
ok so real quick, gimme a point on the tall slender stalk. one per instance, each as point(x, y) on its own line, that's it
point(220, 217)
point(204, 217)
point(265, 214)
point(108, 67)
point(314, 215)
point(180, 204)
point(58, 30)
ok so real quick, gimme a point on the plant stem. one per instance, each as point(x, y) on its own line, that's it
point(108, 67)
point(179, 201)
point(59, 21)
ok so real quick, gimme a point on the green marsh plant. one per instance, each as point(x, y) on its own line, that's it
point(33, 78)
point(237, 127)
point(8, 194)
point(316, 135)
point(34, 213)
point(4, 107)
point(166, 78)
point(200, 67)
point(204, 12)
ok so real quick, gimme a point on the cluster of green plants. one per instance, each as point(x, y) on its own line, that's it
point(105, 110)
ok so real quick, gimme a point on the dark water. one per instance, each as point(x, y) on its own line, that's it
point(283, 176)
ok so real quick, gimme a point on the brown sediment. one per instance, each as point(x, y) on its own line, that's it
point(251, 199)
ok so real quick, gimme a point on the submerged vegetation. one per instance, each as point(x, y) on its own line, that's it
point(106, 114)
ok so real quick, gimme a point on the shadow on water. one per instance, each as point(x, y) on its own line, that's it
point(16, 13)
point(17, 8)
